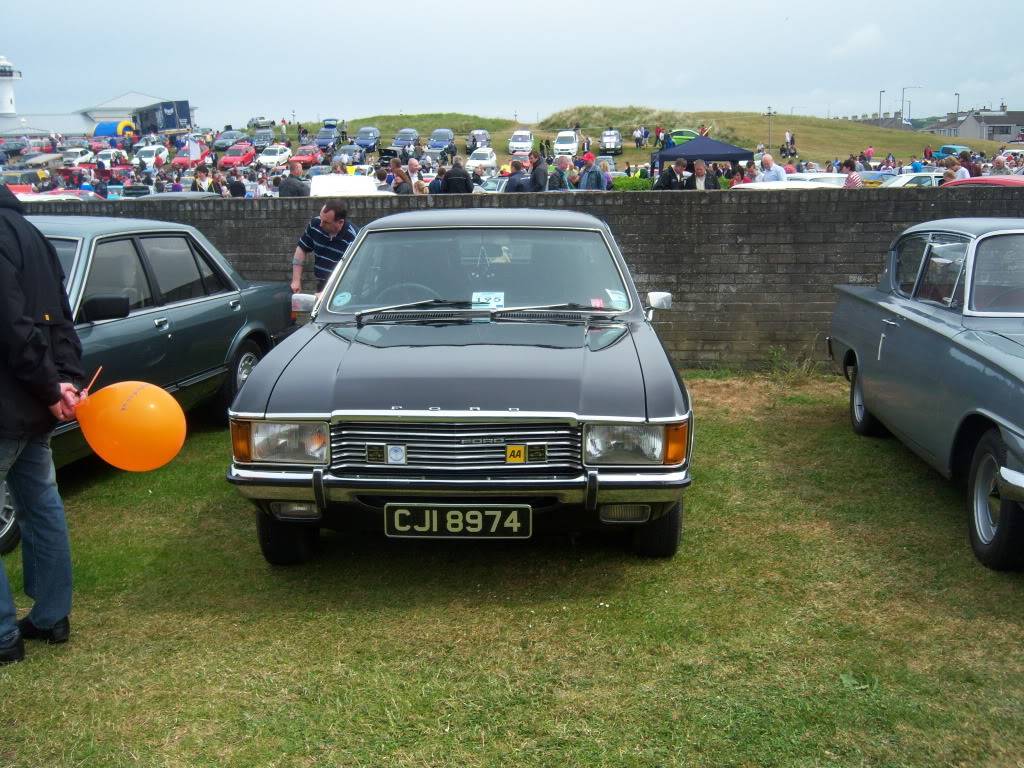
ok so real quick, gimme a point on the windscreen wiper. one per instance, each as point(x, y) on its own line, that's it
point(568, 306)
point(432, 303)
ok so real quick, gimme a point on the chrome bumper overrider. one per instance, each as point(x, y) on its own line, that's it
point(1011, 484)
point(587, 489)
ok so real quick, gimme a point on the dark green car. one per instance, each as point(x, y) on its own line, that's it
point(155, 301)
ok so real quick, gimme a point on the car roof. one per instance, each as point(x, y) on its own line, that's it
point(95, 226)
point(967, 226)
point(487, 217)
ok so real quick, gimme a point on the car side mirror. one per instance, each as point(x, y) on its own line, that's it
point(104, 307)
point(303, 302)
point(658, 300)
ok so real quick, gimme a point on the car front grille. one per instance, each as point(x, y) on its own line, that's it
point(457, 448)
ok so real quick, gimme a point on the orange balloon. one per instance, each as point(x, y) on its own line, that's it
point(133, 425)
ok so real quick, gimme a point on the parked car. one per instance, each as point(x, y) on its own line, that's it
point(259, 122)
point(520, 141)
point(524, 158)
point(182, 159)
point(835, 179)
point(356, 155)
point(492, 184)
point(155, 301)
point(683, 135)
point(987, 181)
point(150, 154)
point(227, 139)
point(239, 156)
point(415, 421)
point(12, 147)
point(949, 150)
point(406, 137)
point(274, 155)
point(923, 179)
point(441, 138)
point(611, 142)
point(74, 156)
point(935, 355)
point(112, 157)
point(566, 144)
point(326, 139)
point(484, 159)
point(483, 139)
point(368, 138)
point(308, 155)
point(263, 138)
point(606, 159)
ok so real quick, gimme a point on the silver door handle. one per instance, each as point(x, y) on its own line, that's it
point(160, 322)
point(235, 303)
point(891, 322)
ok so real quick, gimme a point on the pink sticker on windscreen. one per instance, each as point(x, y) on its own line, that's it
point(597, 303)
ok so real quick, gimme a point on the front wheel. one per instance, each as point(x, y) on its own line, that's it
point(245, 359)
point(996, 524)
point(285, 543)
point(10, 532)
point(661, 537)
point(861, 419)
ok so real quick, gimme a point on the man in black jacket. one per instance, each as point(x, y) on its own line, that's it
point(517, 180)
point(538, 172)
point(701, 179)
point(40, 376)
point(672, 177)
point(456, 180)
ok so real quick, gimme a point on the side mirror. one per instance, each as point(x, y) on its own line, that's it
point(658, 300)
point(303, 302)
point(104, 307)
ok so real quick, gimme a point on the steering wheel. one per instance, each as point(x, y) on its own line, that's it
point(397, 288)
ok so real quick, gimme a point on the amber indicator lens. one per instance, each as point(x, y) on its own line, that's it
point(676, 436)
point(240, 440)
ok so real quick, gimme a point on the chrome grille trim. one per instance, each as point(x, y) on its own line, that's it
point(439, 446)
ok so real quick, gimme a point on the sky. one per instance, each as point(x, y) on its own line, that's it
point(522, 59)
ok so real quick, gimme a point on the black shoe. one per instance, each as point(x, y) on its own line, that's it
point(58, 633)
point(12, 652)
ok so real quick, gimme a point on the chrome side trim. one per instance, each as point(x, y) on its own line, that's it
point(1011, 484)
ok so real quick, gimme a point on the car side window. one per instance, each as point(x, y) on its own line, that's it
point(174, 267)
point(116, 270)
point(909, 254)
point(212, 279)
point(943, 274)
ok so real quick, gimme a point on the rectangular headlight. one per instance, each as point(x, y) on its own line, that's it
point(641, 444)
point(303, 442)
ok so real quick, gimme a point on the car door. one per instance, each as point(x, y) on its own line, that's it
point(918, 349)
point(132, 348)
point(201, 305)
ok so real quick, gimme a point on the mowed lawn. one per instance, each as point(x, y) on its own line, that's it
point(825, 610)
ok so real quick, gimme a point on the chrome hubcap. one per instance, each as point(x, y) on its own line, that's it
point(7, 515)
point(245, 365)
point(987, 501)
point(858, 399)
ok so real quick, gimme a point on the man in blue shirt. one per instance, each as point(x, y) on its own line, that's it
point(915, 164)
point(327, 236)
point(770, 171)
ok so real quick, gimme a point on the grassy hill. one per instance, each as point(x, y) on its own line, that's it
point(462, 124)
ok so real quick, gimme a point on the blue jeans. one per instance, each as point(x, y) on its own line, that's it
point(27, 466)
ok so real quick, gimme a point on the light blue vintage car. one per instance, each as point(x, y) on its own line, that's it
point(935, 355)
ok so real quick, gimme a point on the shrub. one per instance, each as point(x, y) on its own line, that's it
point(631, 184)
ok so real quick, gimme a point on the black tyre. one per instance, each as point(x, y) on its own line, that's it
point(661, 537)
point(996, 524)
point(10, 533)
point(285, 543)
point(245, 359)
point(861, 419)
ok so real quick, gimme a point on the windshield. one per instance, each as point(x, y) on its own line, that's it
point(611, 135)
point(366, 133)
point(489, 268)
point(521, 137)
point(407, 133)
point(441, 135)
point(326, 133)
point(236, 152)
point(565, 140)
point(998, 281)
point(148, 151)
point(273, 150)
point(480, 154)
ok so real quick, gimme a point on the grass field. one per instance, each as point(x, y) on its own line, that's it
point(825, 610)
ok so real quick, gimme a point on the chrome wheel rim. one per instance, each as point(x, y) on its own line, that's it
point(858, 399)
point(7, 514)
point(245, 365)
point(987, 502)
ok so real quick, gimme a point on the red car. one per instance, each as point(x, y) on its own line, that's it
point(239, 155)
point(524, 158)
point(182, 160)
point(987, 181)
point(308, 155)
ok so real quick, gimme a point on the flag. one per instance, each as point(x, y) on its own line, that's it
point(193, 150)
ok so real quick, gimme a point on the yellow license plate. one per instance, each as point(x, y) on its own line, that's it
point(515, 454)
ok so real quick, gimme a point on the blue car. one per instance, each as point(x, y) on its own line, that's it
point(406, 137)
point(326, 139)
point(949, 150)
point(368, 138)
point(441, 138)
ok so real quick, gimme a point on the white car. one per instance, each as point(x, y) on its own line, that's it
point(835, 179)
point(565, 144)
point(148, 155)
point(520, 141)
point(922, 179)
point(484, 159)
point(111, 157)
point(76, 156)
point(274, 155)
point(753, 186)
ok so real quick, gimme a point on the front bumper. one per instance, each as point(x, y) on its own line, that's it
point(586, 490)
point(1011, 484)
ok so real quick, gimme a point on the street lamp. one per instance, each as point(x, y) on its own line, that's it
point(903, 97)
point(769, 114)
point(880, 107)
point(957, 103)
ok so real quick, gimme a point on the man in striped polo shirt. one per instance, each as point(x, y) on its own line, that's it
point(327, 236)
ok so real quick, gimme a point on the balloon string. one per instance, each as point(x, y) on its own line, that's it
point(94, 377)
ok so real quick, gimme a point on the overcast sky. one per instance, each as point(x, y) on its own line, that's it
point(235, 60)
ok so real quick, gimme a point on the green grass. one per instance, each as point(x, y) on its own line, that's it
point(825, 610)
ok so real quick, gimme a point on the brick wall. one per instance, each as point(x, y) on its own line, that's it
point(747, 270)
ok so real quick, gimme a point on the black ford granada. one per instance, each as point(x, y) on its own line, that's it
point(469, 374)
